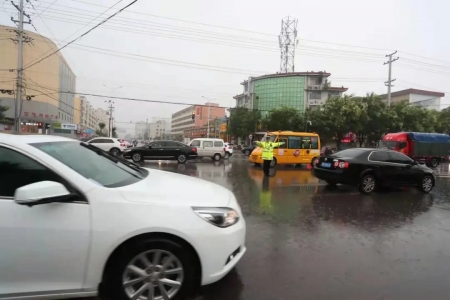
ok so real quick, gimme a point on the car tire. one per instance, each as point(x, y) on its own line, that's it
point(427, 183)
point(227, 155)
point(434, 163)
point(137, 157)
point(273, 163)
point(181, 158)
point(142, 256)
point(367, 185)
point(115, 151)
point(217, 157)
point(247, 153)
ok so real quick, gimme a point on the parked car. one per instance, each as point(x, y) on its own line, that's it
point(168, 150)
point(228, 150)
point(76, 221)
point(369, 169)
point(111, 145)
point(247, 150)
point(127, 143)
point(209, 147)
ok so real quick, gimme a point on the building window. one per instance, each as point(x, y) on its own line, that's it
point(315, 95)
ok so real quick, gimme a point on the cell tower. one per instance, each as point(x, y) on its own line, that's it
point(288, 42)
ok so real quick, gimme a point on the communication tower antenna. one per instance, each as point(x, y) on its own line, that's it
point(288, 42)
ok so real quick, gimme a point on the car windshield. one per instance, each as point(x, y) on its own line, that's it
point(389, 144)
point(348, 153)
point(100, 169)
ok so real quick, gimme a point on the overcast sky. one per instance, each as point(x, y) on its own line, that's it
point(183, 40)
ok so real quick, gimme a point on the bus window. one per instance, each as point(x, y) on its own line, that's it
point(295, 142)
point(306, 142)
point(314, 142)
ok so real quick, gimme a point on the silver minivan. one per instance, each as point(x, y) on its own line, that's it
point(209, 147)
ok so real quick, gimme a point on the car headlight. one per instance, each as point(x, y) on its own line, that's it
point(218, 216)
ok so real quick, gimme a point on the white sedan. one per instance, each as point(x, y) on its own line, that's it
point(76, 221)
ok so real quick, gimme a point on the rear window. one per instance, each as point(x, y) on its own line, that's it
point(348, 153)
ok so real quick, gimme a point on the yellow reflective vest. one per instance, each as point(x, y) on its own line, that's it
point(267, 149)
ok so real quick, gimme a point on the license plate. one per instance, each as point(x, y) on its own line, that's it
point(326, 165)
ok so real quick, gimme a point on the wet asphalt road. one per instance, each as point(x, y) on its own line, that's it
point(308, 241)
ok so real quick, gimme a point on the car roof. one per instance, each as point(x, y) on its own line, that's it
point(15, 139)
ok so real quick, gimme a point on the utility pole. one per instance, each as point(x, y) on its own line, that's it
point(209, 112)
point(111, 109)
point(390, 80)
point(18, 104)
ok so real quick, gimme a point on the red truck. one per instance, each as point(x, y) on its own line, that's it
point(431, 148)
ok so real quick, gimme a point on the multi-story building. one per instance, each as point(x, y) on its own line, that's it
point(103, 117)
point(300, 90)
point(49, 86)
point(421, 98)
point(141, 130)
point(88, 117)
point(195, 116)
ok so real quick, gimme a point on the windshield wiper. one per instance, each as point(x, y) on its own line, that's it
point(112, 158)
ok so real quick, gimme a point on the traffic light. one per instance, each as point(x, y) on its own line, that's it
point(40, 125)
point(193, 116)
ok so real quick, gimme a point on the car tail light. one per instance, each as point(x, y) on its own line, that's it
point(194, 149)
point(229, 147)
point(122, 145)
point(224, 149)
point(341, 164)
point(316, 161)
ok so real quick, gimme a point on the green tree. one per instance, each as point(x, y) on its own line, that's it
point(375, 121)
point(101, 129)
point(443, 121)
point(341, 115)
point(408, 117)
point(3, 109)
point(284, 118)
point(243, 122)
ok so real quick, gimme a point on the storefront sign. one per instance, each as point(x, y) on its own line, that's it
point(69, 126)
point(56, 125)
point(42, 116)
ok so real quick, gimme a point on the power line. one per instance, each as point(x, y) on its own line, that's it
point(44, 9)
point(87, 32)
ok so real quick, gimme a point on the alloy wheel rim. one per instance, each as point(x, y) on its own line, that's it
point(368, 184)
point(153, 275)
point(137, 157)
point(115, 152)
point(427, 184)
point(181, 158)
point(217, 157)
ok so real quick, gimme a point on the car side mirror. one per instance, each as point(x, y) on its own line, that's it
point(40, 193)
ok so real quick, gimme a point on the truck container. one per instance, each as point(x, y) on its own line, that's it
point(430, 148)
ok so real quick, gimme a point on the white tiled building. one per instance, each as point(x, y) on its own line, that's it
point(422, 98)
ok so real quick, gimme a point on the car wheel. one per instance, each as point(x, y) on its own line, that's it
point(367, 184)
point(114, 151)
point(227, 155)
point(152, 269)
point(217, 157)
point(434, 163)
point(427, 184)
point(181, 158)
point(273, 163)
point(136, 157)
point(247, 153)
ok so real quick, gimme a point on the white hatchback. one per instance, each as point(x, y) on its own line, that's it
point(76, 221)
point(115, 146)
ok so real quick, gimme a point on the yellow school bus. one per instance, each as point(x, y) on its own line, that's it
point(298, 148)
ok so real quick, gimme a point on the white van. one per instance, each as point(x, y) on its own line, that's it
point(207, 147)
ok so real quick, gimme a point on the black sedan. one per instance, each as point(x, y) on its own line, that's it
point(247, 150)
point(165, 150)
point(369, 169)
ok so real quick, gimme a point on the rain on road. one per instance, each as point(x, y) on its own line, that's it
point(306, 240)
